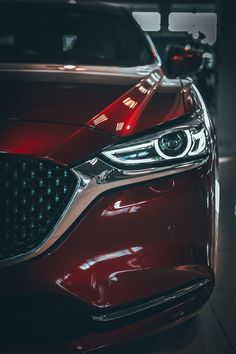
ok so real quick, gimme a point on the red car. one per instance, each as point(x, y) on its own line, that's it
point(109, 192)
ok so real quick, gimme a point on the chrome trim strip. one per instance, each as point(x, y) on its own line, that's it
point(134, 71)
point(150, 304)
point(94, 178)
point(77, 73)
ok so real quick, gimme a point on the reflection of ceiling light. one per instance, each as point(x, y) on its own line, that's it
point(71, 67)
point(67, 67)
point(150, 82)
point(130, 103)
point(80, 69)
point(119, 126)
point(143, 89)
point(100, 119)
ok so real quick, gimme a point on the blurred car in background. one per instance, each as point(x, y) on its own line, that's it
point(200, 67)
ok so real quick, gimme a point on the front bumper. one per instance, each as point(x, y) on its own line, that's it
point(135, 246)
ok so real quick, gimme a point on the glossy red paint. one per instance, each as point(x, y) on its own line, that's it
point(133, 243)
point(137, 111)
point(49, 124)
point(113, 108)
point(94, 266)
point(46, 100)
point(155, 323)
point(67, 144)
point(118, 264)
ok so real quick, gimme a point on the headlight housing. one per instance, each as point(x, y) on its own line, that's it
point(190, 139)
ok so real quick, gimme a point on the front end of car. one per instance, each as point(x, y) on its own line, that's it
point(109, 187)
point(123, 242)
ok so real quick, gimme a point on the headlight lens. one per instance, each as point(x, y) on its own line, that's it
point(174, 144)
point(186, 141)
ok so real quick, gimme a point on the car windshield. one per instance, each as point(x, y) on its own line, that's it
point(70, 35)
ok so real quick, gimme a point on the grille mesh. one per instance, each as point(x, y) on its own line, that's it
point(34, 194)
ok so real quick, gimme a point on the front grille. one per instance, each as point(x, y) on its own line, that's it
point(34, 195)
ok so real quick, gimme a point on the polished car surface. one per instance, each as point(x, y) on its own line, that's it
point(109, 182)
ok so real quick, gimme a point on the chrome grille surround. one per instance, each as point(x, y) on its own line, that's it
point(93, 178)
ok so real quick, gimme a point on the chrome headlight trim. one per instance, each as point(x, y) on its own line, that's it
point(97, 176)
point(184, 141)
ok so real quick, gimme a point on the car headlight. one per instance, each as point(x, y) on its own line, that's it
point(190, 139)
point(182, 146)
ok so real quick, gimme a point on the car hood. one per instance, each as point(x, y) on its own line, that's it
point(52, 110)
point(64, 143)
